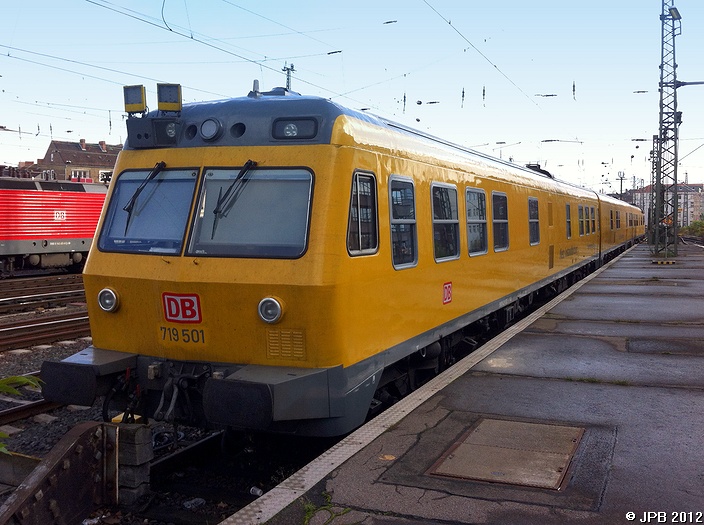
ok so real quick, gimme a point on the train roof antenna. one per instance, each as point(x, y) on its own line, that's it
point(255, 93)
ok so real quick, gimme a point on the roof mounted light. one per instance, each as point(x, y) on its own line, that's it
point(135, 99)
point(169, 97)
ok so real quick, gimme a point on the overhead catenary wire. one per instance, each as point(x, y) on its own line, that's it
point(480, 53)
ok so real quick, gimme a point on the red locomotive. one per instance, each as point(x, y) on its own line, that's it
point(46, 224)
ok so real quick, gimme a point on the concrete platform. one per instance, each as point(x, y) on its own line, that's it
point(615, 365)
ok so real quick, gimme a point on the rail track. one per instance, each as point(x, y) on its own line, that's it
point(25, 409)
point(20, 295)
point(34, 285)
point(47, 327)
point(18, 408)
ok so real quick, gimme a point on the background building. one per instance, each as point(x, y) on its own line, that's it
point(78, 161)
point(690, 202)
point(75, 161)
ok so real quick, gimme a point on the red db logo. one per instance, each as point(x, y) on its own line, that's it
point(181, 308)
point(447, 293)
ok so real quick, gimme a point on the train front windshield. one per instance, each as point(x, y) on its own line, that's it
point(262, 213)
point(148, 212)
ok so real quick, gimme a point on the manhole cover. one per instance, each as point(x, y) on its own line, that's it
point(530, 454)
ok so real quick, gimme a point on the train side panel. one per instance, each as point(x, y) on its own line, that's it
point(41, 228)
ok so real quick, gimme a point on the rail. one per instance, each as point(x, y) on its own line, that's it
point(43, 329)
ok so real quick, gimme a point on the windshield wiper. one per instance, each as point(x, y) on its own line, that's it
point(224, 200)
point(158, 167)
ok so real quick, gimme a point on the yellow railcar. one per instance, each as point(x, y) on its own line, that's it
point(281, 263)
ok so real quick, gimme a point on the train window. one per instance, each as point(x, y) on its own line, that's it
point(362, 236)
point(446, 223)
point(569, 221)
point(499, 208)
point(580, 218)
point(612, 219)
point(618, 220)
point(404, 243)
point(476, 221)
point(147, 212)
point(533, 221)
point(259, 213)
point(593, 219)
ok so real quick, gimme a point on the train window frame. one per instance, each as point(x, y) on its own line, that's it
point(356, 205)
point(255, 221)
point(593, 217)
point(568, 220)
point(612, 219)
point(618, 220)
point(474, 223)
point(403, 226)
point(500, 223)
point(580, 219)
point(533, 221)
point(444, 227)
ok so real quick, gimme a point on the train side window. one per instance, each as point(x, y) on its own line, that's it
point(580, 219)
point(446, 222)
point(612, 219)
point(362, 231)
point(569, 221)
point(476, 222)
point(618, 220)
point(404, 242)
point(499, 207)
point(593, 219)
point(533, 221)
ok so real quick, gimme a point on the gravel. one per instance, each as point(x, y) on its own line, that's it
point(18, 362)
point(36, 436)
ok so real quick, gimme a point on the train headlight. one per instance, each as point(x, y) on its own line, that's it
point(107, 300)
point(270, 310)
point(210, 129)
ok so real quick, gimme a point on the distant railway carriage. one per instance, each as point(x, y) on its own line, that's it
point(47, 225)
point(279, 262)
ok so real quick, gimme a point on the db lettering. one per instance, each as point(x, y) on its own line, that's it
point(447, 293)
point(181, 308)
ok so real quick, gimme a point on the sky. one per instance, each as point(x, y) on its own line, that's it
point(569, 84)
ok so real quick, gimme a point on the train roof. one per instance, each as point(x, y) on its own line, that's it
point(253, 121)
point(260, 118)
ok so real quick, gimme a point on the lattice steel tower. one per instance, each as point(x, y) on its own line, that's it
point(664, 216)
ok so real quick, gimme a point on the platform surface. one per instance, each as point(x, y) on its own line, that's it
point(621, 359)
